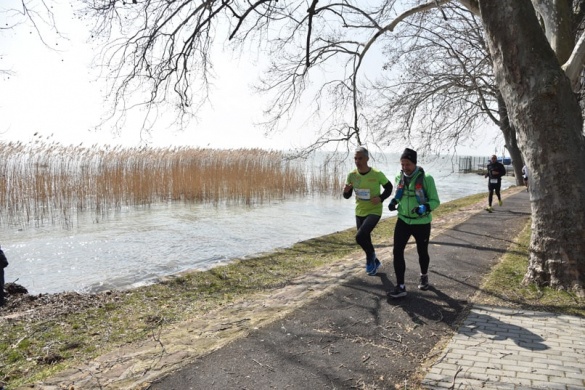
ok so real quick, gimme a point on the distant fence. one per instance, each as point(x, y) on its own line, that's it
point(471, 164)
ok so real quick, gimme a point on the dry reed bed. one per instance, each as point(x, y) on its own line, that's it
point(47, 183)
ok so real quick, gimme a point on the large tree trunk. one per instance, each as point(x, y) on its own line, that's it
point(511, 142)
point(548, 125)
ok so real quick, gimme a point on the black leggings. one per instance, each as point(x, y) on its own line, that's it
point(363, 237)
point(492, 188)
point(402, 233)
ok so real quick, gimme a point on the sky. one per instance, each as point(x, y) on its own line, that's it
point(56, 95)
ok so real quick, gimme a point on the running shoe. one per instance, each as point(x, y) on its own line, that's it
point(370, 267)
point(398, 292)
point(374, 270)
point(424, 282)
point(500, 202)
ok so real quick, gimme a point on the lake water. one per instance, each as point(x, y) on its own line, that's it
point(135, 246)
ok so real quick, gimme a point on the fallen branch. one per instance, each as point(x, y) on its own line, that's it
point(459, 369)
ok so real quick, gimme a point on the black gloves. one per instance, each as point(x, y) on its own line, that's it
point(420, 209)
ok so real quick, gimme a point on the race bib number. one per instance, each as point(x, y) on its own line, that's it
point(494, 181)
point(363, 194)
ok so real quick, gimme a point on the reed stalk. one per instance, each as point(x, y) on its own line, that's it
point(48, 183)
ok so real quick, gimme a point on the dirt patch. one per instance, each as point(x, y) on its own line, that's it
point(20, 305)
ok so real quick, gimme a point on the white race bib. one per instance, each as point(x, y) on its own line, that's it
point(362, 193)
point(494, 181)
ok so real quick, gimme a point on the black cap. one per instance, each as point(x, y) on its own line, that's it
point(409, 154)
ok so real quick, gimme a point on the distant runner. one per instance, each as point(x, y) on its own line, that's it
point(495, 171)
point(525, 176)
point(3, 264)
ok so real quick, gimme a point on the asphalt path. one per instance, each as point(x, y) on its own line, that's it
point(355, 336)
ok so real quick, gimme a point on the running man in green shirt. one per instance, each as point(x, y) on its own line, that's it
point(365, 183)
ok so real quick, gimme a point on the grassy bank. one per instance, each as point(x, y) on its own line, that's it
point(63, 330)
point(503, 286)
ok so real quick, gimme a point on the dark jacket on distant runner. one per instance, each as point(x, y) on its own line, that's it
point(495, 172)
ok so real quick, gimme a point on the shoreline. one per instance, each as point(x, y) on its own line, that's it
point(80, 264)
point(446, 222)
point(221, 324)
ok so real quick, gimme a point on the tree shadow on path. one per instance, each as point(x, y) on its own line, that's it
point(497, 329)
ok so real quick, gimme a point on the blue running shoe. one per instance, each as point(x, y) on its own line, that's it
point(374, 269)
point(370, 267)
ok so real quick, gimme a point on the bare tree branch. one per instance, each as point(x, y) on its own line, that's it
point(36, 14)
point(414, 11)
point(165, 47)
point(440, 85)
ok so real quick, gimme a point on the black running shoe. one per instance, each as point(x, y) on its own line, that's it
point(424, 282)
point(398, 292)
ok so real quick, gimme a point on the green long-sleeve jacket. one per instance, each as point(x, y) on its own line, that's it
point(408, 200)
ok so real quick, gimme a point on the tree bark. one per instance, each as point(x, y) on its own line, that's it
point(511, 142)
point(548, 123)
point(558, 26)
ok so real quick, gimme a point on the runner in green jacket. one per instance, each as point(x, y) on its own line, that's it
point(415, 198)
